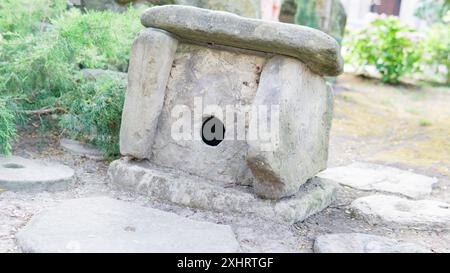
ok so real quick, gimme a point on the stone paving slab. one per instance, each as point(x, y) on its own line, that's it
point(398, 212)
point(77, 148)
point(363, 243)
point(26, 175)
point(373, 177)
point(103, 224)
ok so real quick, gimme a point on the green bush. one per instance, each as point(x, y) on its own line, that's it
point(387, 45)
point(39, 67)
point(22, 17)
point(436, 48)
point(100, 39)
point(95, 112)
point(42, 67)
point(7, 124)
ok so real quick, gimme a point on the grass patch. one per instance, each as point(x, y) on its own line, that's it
point(401, 130)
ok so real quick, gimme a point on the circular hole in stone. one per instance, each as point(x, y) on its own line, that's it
point(213, 131)
point(13, 166)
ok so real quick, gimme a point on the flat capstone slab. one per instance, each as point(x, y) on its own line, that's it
point(373, 177)
point(26, 175)
point(363, 243)
point(77, 148)
point(319, 51)
point(401, 213)
point(103, 224)
point(169, 185)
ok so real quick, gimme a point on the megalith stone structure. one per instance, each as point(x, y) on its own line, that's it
point(229, 114)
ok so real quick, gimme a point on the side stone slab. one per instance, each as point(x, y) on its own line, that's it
point(182, 189)
point(151, 60)
point(301, 149)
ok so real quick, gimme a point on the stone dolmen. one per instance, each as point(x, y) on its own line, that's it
point(229, 114)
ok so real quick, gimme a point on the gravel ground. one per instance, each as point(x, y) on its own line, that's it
point(254, 234)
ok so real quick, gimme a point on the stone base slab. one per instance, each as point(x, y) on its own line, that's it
point(192, 191)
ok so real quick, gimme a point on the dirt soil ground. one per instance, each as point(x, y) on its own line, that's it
point(406, 127)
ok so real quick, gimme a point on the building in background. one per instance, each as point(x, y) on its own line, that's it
point(360, 12)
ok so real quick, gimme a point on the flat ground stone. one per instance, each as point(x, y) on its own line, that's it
point(78, 148)
point(21, 174)
point(180, 188)
point(365, 176)
point(402, 213)
point(102, 224)
point(363, 243)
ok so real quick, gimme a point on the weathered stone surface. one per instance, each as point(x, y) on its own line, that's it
point(78, 148)
point(402, 213)
point(102, 224)
point(366, 176)
point(216, 77)
point(363, 243)
point(150, 64)
point(20, 174)
point(192, 191)
point(94, 74)
point(305, 103)
point(246, 8)
point(320, 52)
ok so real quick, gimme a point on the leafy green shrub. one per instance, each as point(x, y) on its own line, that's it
point(95, 112)
point(436, 48)
point(38, 67)
point(21, 17)
point(387, 45)
point(100, 39)
point(7, 124)
point(43, 67)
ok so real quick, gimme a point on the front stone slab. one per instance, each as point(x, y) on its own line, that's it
point(183, 189)
point(102, 224)
point(26, 175)
point(209, 76)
